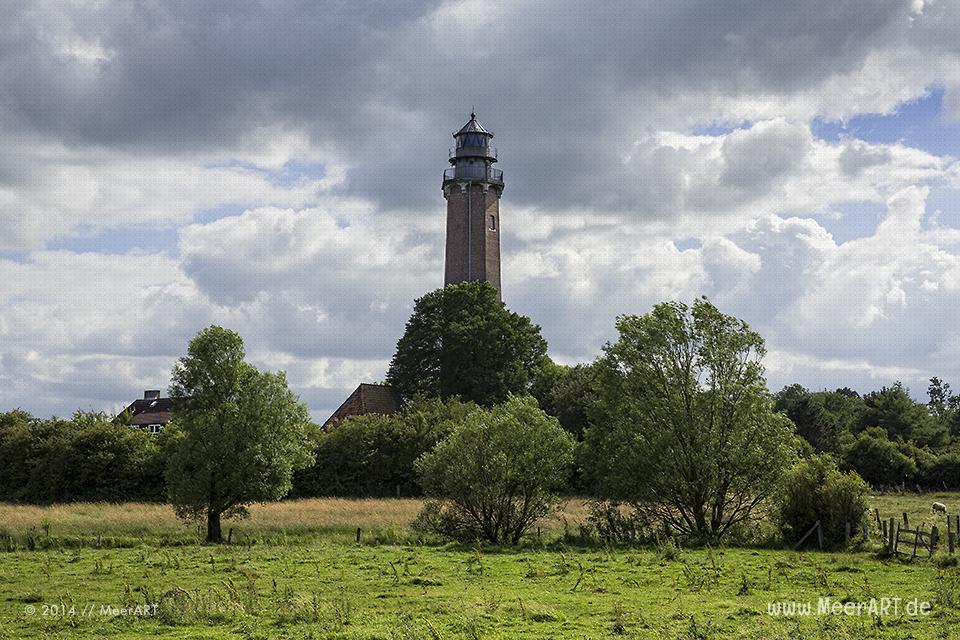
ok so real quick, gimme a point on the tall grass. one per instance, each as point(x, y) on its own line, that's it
point(128, 524)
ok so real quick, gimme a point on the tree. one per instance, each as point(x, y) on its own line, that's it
point(373, 455)
point(815, 490)
point(944, 405)
point(565, 393)
point(497, 473)
point(684, 428)
point(237, 433)
point(825, 419)
point(462, 341)
point(880, 461)
point(902, 418)
point(86, 458)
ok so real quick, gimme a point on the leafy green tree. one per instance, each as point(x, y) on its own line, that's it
point(944, 472)
point(880, 461)
point(893, 410)
point(565, 393)
point(462, 341)
point(237, 436)
point(815, 490)
point(88, 457)
point(373, 455)
point(944, 405)
point(685, 429)
point(825, 419)
point(497, 473)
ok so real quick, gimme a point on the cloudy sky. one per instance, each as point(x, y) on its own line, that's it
point(275, 167)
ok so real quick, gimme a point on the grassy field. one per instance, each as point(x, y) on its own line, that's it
point(130, 524)
point(295, 572)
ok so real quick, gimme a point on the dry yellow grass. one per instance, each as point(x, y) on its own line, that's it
point(289, 515)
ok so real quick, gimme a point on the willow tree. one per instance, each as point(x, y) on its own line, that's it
point(237, 434)
point(684, 427)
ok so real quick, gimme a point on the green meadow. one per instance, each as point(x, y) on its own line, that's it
point(321, 584)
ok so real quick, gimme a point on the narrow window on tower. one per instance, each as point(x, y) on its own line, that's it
point(493, 223)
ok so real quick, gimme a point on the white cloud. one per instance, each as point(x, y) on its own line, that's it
point(320, 153)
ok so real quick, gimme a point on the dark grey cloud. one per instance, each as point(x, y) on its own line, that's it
point(567, 87)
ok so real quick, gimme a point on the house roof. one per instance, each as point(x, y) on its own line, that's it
point(150, 411)
point(367, 398)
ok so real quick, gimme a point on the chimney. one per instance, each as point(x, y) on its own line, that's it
point(151, 394)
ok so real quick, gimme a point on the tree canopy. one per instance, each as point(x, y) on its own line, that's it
point(684, 427)
point(462, 341)
point(373, 455)
point(566, 393)
point(497, 472)
point(237, 433)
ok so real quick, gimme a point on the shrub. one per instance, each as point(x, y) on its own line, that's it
point(497, 473)
point(615, 522)
point(815, 489)
point(944, 472)
point(373, 455)
point(879, 460)
point(86, 458)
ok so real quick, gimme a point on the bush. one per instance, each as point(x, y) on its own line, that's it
point(879, 460)
point(86, 458)
point(612, 521)
point(815, 489)
point(497, 473)
point(944, 472)
point(373, 455)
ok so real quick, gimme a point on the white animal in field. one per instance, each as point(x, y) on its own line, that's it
point(939, 506)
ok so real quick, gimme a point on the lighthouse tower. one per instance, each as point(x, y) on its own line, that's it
point(472, 188)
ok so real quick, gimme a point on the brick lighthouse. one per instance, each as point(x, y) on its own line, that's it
point(472, 188)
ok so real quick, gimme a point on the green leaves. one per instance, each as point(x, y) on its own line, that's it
point(499, 470)
point(462, 341)
point(373, 455)
point(238, 434)
point(683, 425)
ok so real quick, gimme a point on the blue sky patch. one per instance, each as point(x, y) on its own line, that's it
point(943, 208)
point(123, 240)
point(291, 173)
point(857, 220)
point(919, 123)
point(687, 243)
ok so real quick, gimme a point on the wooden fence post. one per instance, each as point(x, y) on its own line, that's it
point(358, 535)
point(815, 527)
point(952, 541)
point(866, 531)
point(892, 528)
point(846, 534)
point(906, 522)
point(934, 539)
point(885, 536)
point(876, 512)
